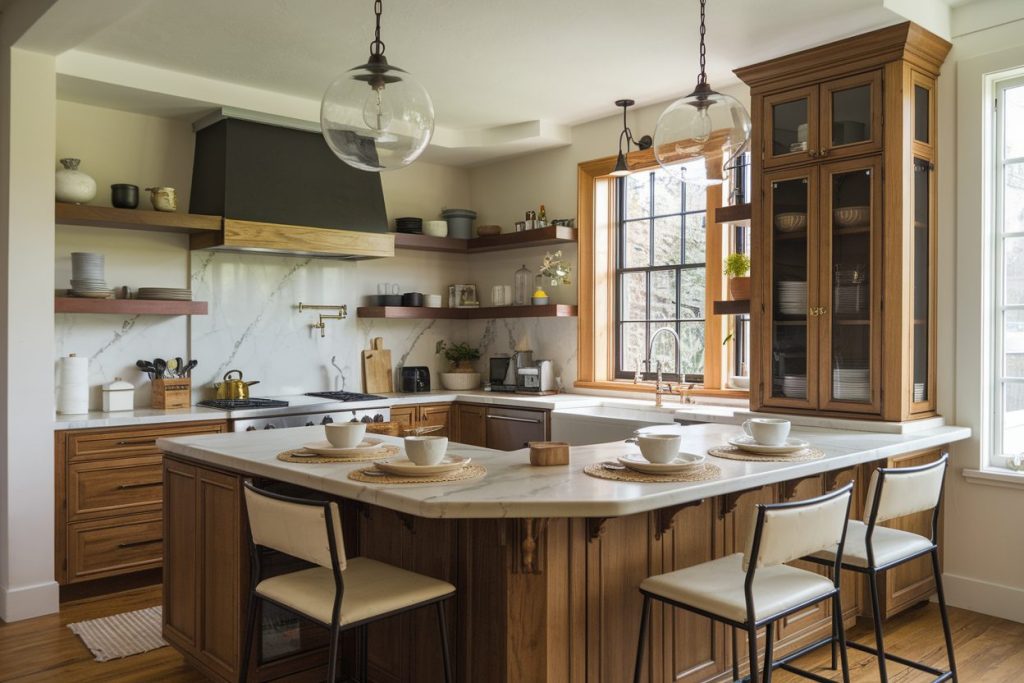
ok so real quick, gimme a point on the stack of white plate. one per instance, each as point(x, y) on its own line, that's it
point(851, 298)
point(164, 294)
point(793, 297)
point(851, 384)
point(87, 278)
point(919, 392)
point(794, 386)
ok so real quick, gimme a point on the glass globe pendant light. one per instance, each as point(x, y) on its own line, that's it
point(700, 134)
point(375, 117)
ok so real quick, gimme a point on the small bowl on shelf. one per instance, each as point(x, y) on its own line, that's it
point(852, 216)
point(791, 221)
point(488, 230)
point(435, 228)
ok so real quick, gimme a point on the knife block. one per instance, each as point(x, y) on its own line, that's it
point(170, 394)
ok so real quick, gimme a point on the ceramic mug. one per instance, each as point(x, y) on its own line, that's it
point(659, 448)
point(767, 431)
point(426, 450)
point(345, 434)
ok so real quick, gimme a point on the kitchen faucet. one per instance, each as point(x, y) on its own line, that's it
point(647, 364)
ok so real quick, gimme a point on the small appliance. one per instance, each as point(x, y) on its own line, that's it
point(415, 379)
point(501, 376)
point(540, 378)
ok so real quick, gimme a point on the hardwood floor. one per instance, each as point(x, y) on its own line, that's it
point(988, 650)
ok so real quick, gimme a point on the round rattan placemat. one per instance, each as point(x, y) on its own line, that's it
point(466, 473)
point(734, 453)
point(705, 473)
point(376, 453)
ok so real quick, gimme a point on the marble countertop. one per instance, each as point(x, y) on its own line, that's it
point(513, 488)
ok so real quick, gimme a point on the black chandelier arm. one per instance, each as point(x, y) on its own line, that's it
point(377, 46)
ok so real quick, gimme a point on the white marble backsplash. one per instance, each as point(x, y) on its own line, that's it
point(552, 339)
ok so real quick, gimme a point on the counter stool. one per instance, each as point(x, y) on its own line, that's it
point(338, 593)
point(756, 588)
point(870, 549)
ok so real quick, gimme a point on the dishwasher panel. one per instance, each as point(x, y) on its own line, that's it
point(510, 429)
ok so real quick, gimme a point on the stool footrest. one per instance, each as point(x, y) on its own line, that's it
point(942, 675)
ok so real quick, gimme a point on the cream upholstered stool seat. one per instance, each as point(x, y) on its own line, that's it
point(871, 549)
point(338, 592)
point(756, 588)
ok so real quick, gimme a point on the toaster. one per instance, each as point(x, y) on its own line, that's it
point(415, 379)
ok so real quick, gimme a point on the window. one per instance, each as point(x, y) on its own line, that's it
point(1008, 430)
point(660, 275)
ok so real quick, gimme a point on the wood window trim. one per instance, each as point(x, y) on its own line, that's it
point(596, 280)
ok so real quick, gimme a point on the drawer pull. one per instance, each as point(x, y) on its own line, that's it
point(140, 485)
point(514, 419)
point(137, 442)
point(135, 544)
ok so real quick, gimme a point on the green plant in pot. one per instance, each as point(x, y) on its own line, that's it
point(461, 377)
point(737, 269)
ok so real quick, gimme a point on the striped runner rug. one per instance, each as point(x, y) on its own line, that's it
point(121, 635)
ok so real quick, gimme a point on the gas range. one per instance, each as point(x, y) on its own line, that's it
point(307, 410)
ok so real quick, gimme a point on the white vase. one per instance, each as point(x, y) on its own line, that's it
point(74, 186)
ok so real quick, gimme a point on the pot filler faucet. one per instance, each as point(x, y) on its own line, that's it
point(658, 388)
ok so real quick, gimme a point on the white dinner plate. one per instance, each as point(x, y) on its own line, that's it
point(325, 448)
point(791, 447)
point(684, 462)
point(404, 467)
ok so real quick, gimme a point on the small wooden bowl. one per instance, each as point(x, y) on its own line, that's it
point(547, 453)
point(488, 230)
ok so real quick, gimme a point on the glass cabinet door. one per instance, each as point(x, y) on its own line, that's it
point(850, 276)
point(923, 373)
point(790, 133)
point(790, 294)
point(851, 121)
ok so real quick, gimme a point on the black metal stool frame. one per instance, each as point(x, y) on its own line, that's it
point(334, 626)
point(751, 625)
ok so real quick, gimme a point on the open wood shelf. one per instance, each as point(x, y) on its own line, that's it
point(135, 219)
point(737, 307)
point(541, 237)
point(417, 313)
point(737, 213)
point(71, 304)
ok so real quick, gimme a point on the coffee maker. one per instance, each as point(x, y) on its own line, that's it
point(538, 379)
point(502, 374)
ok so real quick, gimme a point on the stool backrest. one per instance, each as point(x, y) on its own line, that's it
point(788, 531)
point(307, 529)
point(899, 491)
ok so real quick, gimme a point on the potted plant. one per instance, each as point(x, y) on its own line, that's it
point(736, 268)
point(459, 356)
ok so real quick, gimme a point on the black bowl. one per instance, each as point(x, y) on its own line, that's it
point(124, 196)
point(412, 299)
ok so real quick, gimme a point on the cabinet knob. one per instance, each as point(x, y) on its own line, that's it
point(823, 152)
point(812, 154)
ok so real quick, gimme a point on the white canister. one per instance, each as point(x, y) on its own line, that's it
point(118, 395)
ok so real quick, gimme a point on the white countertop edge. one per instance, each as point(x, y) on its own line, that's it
point(521, 506)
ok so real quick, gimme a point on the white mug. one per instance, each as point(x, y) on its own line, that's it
point(768, 431)
point(659, 448)
point(345, 434)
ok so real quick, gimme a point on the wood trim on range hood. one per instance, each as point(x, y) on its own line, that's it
point(297, 240)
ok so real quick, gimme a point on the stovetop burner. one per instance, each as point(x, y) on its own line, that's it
point(241, 404)
point(344, 396)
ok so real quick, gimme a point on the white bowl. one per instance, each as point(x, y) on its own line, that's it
point(426, 450)
point(435, 228)
point(345, 434)
point(659, 448)
point(791, 221)
point(432, 300)
point(740, 381)
point(852, 216)
point(460, 381)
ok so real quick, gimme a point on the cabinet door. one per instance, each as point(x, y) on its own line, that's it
point(404, 415)
point(789, 249)
point(851, 286)
point(220, 545)
point(851, 116)
point(437, 415)
point(180, 579)
point(471, 426)
point(790, 127)
point(923, 283)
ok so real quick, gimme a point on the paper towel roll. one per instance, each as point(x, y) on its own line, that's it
point(73, 379)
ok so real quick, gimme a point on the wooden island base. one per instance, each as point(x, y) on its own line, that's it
point(538, 599)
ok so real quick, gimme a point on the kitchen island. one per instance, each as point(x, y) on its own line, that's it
point(546, 561)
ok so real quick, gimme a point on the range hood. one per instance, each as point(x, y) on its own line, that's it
point(282, 190)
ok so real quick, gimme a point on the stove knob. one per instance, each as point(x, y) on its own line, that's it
point(309, 424)
point(250, 428)
point(367, 419)
point(378, 418)
point(270, 427)
point(327, 420)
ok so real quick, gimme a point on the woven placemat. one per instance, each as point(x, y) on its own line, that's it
point(464, 474)
point(384, 451)
point(734, 453)
point(598, 470)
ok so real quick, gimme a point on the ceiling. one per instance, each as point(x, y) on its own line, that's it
point(486, 64)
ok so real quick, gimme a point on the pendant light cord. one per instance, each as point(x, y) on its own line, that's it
point(377, 46)
point(702, 79)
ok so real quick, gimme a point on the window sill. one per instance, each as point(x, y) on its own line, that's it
point(1006, 479)
point(648, 388)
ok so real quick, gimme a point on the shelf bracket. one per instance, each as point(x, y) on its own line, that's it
point(667, 516)
point(595, 527)
point(832, 479)
point(790, 486)
point(728, 502)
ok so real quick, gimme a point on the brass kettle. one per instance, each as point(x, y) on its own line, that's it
point(233, 388)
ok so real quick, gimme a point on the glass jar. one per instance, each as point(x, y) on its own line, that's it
point(523, 291)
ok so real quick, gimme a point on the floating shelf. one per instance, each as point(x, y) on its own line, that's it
point(737, 213)
point(135, 219)
point(541, 237)
point(419, 313)
point(71, 304)
point(737, 307)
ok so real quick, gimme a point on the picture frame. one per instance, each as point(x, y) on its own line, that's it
point(463, 296)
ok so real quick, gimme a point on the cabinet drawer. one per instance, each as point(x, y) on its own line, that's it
point(107, 547)
point(100, 488)
point(94, 443)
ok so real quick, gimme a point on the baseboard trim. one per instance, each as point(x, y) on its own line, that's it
point(1006, 602)
point(29, 601)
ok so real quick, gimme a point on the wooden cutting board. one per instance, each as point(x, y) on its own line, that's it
point(378, 377)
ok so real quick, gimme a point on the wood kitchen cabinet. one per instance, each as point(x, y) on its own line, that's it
point(109, 499)
point(470, 424)
point(844, 259)
point(409, 416)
